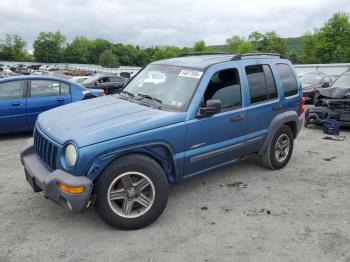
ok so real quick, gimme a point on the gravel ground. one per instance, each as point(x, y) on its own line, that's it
point(239, 213)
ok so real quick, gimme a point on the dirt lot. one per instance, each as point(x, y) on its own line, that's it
point(240, 213)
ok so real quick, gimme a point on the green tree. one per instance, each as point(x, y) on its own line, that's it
point(77, 51)
point(108, 59)
point(334, 39)
point(95, 49)
point(255, 38)
point(13, 48)
point(48, 47)
point(308, 53)
point(200, 47)
point(238, 45)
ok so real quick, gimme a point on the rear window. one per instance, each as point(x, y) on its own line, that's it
point(288, 80)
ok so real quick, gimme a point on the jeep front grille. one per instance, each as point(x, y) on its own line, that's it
point(46, 150)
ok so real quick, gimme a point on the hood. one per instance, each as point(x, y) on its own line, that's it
point(335, 92)
point(310, 88)
point(100, 119)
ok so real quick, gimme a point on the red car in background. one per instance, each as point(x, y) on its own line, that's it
point(312, 82)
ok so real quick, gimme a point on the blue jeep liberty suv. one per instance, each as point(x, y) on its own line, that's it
point(177, 118)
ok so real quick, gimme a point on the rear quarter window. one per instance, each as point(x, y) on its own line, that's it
point(288, 80)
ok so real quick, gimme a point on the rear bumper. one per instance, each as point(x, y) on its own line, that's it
point(299, 122)
point(42, 179)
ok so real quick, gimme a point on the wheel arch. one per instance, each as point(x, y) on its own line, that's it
point(160, 152)
point(289, 118)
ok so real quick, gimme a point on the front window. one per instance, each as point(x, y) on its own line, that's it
point(11, 90)
point(169, 86)
point(343, 81)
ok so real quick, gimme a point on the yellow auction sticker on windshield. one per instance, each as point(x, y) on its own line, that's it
point(191, 73)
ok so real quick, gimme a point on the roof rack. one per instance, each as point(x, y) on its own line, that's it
point(202, 53)
point(239, 57)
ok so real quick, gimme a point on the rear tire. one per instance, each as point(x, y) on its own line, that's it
point(277, 154)
point(132, 192)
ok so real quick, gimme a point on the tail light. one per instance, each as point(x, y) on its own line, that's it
point(301, 106)
point(102, 93)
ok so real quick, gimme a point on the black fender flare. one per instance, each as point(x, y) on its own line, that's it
point(158, 150)
point(277, 122)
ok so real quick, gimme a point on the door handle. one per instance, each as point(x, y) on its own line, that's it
point(277, 106)
point(60, 99)
point(237, 118)
point(17, 104)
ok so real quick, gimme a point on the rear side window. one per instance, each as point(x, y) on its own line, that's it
point(41, 88)
point(262, 85)
point(288, 81)
point(11, 90)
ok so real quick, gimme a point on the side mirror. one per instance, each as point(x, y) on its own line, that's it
point(212, 107)
point(325, 85)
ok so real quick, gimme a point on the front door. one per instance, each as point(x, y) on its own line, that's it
point(218, 139)
point(13, 106)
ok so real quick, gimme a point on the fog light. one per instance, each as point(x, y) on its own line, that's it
point(71, 189)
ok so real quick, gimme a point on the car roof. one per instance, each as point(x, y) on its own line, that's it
point(34, 77)
point(200, 62)
point(204, 61)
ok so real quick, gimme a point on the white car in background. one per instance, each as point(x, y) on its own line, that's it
point(79, 79)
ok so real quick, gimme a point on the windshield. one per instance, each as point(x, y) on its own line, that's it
point(343, 81)
point(171, 86)
point(311, 80)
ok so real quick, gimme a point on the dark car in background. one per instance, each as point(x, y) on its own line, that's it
point(312, 82)
point(111, 84)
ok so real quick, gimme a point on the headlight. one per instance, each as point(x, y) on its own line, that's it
point(71, 155)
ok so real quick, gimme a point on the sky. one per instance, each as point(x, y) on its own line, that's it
point(164, 22)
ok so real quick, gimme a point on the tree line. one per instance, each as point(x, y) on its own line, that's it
point(327, 44)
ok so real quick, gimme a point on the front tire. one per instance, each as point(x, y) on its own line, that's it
point(278, 152)
point(132, 192)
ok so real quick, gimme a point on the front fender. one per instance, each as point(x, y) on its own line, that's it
point(160, 151)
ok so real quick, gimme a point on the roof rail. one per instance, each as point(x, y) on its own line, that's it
point(202, 53)
point(239, 57)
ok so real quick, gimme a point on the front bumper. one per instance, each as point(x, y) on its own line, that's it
point(42, 179)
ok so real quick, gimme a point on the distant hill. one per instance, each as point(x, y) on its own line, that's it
point(293, 44)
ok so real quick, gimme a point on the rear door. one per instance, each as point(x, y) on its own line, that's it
point(44, 95)
point(263, 100)
point(13, 105)
point(65, 93)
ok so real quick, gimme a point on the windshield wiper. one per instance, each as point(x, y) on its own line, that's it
point(150, 98)
point(128, 93)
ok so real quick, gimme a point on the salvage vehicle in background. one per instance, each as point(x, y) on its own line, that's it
point(111, 84)
point(23, 98)
point(312, 82)
point(177, 118)
point(331, 103)
point(79, 79)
